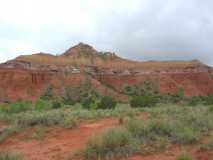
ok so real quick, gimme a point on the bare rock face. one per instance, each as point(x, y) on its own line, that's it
point(27, 76)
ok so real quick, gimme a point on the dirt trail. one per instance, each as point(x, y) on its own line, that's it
point(58, 144)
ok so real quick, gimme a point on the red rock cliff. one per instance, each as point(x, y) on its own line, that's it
point(27, 76)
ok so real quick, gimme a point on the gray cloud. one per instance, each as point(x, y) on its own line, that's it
point(166, 30)
point(138, 29)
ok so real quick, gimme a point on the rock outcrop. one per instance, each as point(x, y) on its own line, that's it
point(27, 76)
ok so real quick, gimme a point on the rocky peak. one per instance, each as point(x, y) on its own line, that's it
point(81, 50)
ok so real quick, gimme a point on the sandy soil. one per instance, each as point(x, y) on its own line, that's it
point(58, 143)
point(61, 144)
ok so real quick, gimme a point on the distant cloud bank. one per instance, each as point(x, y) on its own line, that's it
point(135, 29)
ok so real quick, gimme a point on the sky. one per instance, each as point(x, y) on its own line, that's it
point(134, 29)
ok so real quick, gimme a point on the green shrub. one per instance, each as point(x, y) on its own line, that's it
point(8, 132)
point(143, 101)
point(70, 122)
point(172, 124)
point(194, 101)
point(107, 103)
point(178, 96)
point(210, 108)
point(148, 132)
point(185, 135)
point(114, 142)
point(56, 104)
point(184, 156)
point(41, 104)
point(88, 103)
point(47, 118)
point(130, 90)
point(48, 93)
point(10, 156)
point(209, 145)
point(15, 107)
point(38, 134)
point(71, 95)
point(208, 100)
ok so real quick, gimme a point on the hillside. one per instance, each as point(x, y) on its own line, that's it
point(27, 76)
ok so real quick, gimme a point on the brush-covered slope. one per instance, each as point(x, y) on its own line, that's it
point(27, 76)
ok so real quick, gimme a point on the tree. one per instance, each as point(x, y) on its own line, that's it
point(88, 103)
point(107, 103)
point(71, 95)
point(48, 93)
point(130, 90)
point(178, 95)
point(143, 101)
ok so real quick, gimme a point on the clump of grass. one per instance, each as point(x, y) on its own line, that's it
point(15, 107)
point(184, 156)
point(10, 156)
point(185, 135)
point(209, 145)
point(70, 122)
point(39, 133)
point(8, 132)
point(172, 126)
point(150, 132)
point(114, 142)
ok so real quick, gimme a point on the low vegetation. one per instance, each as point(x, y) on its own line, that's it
point(209, 145)
point(67, 116)
point(10, 156)
point(173, 118)
point(165, 126)
point(114, 142)
point(184, 156)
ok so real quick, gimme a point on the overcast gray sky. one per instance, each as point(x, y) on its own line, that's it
point(135, 29)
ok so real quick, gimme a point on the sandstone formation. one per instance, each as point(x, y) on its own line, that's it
point(26, 77)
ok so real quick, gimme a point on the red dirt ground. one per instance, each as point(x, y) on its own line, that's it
point(62, 143)
point(58, 145)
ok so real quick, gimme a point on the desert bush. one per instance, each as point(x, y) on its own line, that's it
point(70, 122)
point(143, 88)
point(178, 96)
point(194, 101)
point(143, 101)
point(114, 142)
point(209, 145)
point(8, 132)
point(107, 103)
point(208, 100)
point(71, 95)
point(210, 109)
point(150, 87)
point(172, 123)
point(130, 90)
point(88, 103)
point(39, 133)
point(185, 135)
point(47, 118)
point(148, 132)
point(184, 156)
point(10, 156)
point(41, 104)
point(15, 107)
point(56, 104)
point(80, 94)
point(47, 94)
